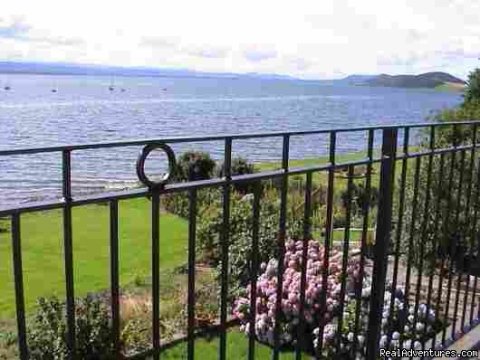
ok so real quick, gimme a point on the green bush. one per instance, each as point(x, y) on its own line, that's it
point(240, 235)
point(179, 203)
point(194, 165)
point(240, 166)
point(48, 332)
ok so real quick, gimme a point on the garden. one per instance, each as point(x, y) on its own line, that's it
point(323, 310)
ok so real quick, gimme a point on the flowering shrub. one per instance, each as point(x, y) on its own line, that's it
point(404, 329)
point(401, 327)
point(267, 292)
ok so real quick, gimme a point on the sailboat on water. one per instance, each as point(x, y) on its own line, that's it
point(112, 84)
point(55, 87)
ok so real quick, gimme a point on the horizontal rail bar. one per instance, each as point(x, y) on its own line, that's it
point(173, 140)
point(410, 155)
point(177, 187)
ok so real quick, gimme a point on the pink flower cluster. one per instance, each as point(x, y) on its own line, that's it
point(290, 304)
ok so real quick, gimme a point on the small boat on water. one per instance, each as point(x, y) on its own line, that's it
point(112, 83)
point(6, 88)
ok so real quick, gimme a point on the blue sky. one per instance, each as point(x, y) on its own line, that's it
point(303, 38)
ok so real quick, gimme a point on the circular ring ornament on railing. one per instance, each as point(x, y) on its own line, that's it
point(141, 165)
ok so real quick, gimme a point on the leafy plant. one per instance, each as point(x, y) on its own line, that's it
point(194, 165)
point(48, 331)
point(240, 166)
point(241, 221)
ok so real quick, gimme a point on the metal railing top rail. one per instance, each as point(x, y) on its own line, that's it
point(183, 139)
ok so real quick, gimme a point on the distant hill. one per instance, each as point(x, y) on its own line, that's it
point(426, 80)
point(356, 79)
point(10, 67)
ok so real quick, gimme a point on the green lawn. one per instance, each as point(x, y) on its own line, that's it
point(237, 348)
point(42, 243)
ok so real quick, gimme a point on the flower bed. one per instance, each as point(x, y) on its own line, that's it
point(403, 327)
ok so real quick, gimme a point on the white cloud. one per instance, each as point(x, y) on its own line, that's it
point(302, 38)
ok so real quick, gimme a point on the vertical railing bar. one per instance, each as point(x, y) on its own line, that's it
point(156, 274)
point(281, 246)
point(467, 215)
point(363, 245)
point(382, 240)
point(19, 294)
point(457, 219)
point(192, 224)
point(303, 277)
point(445, 229)
point(476, 240)
point(225, 238)
point(424, 229)
point(412, 231)
point(346, 245)
point(254, 271)
point(434, 245)
point(328, 237)
point(451, 251)
point(114, 276)
point(398, 235)
point(68, 252)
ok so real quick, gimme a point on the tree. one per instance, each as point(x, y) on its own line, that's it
point(194, 165)
point(472, 92)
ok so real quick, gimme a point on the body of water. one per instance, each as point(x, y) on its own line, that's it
point(48, 110)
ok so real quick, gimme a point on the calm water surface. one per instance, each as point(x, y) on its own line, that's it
point(84, 110)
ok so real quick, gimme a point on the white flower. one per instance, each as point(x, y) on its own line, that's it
point(383, 341)
point(419, 327)
point(361, 340)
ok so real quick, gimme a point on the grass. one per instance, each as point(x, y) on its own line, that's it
point(43, 250)
point(237, 348)
point(450, 87)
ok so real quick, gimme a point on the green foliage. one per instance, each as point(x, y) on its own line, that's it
point(443, 224)
point(472, 92)
point(359, 198)
point(451, 194)
point(194, 165)
point(48, 332)
point(240, 166)
point(179, 203)
point(241, 220)
point(467, 111)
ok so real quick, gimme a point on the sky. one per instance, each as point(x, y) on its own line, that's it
point(303, 38)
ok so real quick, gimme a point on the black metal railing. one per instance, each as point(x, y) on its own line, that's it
point(402, 213)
